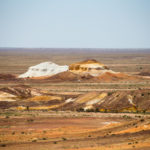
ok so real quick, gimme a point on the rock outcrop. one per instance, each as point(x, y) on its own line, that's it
point(21, 91)
point(44, 69)
point(24, 98)
point(86, 71)
point(91, 67)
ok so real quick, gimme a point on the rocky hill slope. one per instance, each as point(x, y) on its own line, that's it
point(24, 97)
point(85, 71)
point(90, 70)
point(91, 67)
point(43, 69)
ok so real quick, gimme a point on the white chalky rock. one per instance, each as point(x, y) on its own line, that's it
point(44, 69)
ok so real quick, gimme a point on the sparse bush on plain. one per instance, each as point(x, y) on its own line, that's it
point(3, 145)
point(7, 117)
point(64, 139)
point(126, 117)
point(80, 109)
point(30, 120)
point(44, 131)
point(34, 140)
point(142, 120)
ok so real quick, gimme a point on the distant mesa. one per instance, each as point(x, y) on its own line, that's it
point(44, 69)
point(84, 68)
point(88, 70)
point(91, 67)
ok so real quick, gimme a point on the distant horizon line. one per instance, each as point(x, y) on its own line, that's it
point(72, 48)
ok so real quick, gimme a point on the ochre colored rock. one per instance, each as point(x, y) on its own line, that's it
point(91, 67)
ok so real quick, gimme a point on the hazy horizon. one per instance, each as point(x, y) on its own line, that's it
point(76, 49)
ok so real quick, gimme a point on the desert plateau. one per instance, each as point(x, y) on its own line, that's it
point(74, 99)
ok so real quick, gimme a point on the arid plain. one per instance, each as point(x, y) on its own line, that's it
point(72, 112)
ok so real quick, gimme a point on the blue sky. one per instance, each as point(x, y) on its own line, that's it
point(75, 23)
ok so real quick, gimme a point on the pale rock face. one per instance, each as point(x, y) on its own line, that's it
point(44, 69)
point(91, 67)
point(6, 97)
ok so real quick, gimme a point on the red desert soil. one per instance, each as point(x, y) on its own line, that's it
point(72, 131)
point(108, 76)
point(105, 77)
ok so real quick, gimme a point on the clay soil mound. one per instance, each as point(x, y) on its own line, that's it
point(108, 77)
point(69, 76)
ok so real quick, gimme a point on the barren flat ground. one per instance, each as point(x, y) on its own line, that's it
point(71, 130)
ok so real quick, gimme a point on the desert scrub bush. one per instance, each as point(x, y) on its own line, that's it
point(142, 120)
point(34, 140)
point(126, 117)
point(142, 94)
point(80, 109)
point(110, 93)
point(3, 145)
point(64, 139)
point(22, 132)
point(105, 110)
point(144, 111)
point(55, 142)
point(44, 131)
point(90, 110)
point(138, 116)
point(113, 134)
point(114, 111)
point(27, 108)
point(7, 117)
point(97, 110)
point(30, 120)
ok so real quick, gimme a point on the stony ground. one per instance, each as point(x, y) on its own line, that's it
point(72, 130)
